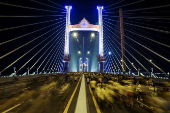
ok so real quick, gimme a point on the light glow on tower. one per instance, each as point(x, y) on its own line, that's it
point(100, 21)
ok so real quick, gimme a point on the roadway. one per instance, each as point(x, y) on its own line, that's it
point(43, 95)
point(40, 95)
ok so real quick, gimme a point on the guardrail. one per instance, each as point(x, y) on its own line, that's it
point(9, 79)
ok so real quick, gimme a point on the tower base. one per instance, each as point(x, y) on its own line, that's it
point(101, 64)
point(66, 61)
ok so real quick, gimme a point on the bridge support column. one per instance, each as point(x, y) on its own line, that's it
point(122, 41)
point(100, 21)
point(66, 67)
point(28, 71)
point(101, 64)
point(101, 68)
point(66, 63)
point(66, 49)
point(101, 56)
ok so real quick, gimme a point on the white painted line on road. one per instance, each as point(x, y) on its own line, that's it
point(12, 108)
point(81, 105)
point(71, 98)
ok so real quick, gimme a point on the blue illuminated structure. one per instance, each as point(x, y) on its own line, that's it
point(84, 26)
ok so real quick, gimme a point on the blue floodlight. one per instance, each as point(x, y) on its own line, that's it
point(100, 6)
point(68, 6)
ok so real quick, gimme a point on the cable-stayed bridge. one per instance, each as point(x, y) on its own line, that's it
point(125, 44)
point(44, 45)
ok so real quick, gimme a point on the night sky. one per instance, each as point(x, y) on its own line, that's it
point(157, 18)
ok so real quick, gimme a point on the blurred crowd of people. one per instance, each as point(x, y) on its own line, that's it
point(130, 91)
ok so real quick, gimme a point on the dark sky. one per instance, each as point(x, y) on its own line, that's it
point(81, 9)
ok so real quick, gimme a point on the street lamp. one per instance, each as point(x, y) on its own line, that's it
point(75, 34)
point(151, 72)
point(37, 70)
point(80, 64)
point(79, 52)
point(114, 71)
point(138, 71)
point(129, 71)
point(15, 71)
point(92, 35)
point(28, 70)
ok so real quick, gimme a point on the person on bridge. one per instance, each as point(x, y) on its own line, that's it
point(130, 93)
point(88, 80)
point(138, 90)
point(108, 77)
point(93, 85)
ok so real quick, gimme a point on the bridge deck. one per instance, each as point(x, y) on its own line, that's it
point(79, 99)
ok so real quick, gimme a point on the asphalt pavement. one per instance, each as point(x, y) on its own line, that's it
point(36, 100)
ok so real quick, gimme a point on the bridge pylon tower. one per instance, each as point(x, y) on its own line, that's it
point(101, 59)
point(66, 59)
point(84, 25)
point(122, 41)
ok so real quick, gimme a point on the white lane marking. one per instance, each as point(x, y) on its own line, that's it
point(12, 108)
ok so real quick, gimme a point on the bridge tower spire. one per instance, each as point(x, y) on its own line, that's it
point(66, 49)
point(122, 41)
point(101, 55)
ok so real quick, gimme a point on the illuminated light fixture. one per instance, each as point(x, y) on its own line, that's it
point(121, 60)
point(150, 60)
point(79, 52)
point(68, 6)
point(100, 6)
point(132, 63)
point(88, 52)
point(109, 53)
point(75, 34)
point(92, 35)
point(86, 58)
point(80, 58)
